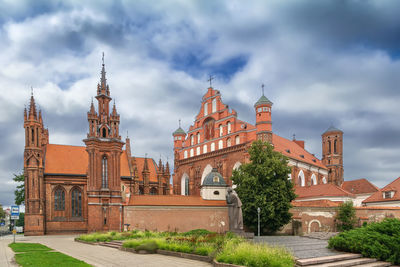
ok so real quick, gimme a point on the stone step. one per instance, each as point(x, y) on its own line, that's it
point(111, 245)
point(376, 264)
point(327, 259)
point(346, 263)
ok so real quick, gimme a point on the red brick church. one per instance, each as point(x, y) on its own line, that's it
point(219, 139)
point(83, 188)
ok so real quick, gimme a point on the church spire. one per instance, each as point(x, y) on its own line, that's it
point(103, 88)
point(32, 107)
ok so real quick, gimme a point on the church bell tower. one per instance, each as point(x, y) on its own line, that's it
point(104, 147)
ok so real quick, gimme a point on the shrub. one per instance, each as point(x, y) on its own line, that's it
point(346, 216)
point(197, 232)
point(375, 240)
point(205, 249)
point(149, 246)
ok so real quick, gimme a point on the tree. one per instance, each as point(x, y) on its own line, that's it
point(2, 213)
point(264, 183)
point(20, 221)
point(346, 216)
point(20, 191)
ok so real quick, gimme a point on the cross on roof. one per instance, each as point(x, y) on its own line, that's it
point(294, 136)
point(262, 87)
point(103, 58)
point(179, 123)
point(210, 80)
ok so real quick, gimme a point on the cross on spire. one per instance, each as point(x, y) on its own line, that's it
point(210, 80)
point(294, 136)
point(262, 88)
point(179, 123)
point(31, 91)
point(103, 58)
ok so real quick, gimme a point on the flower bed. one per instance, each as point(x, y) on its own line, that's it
point(202, 244)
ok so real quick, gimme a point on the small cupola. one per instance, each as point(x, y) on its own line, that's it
point(214, 186)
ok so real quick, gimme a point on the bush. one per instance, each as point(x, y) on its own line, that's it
point(375, 240)
point(346, 216)
point(254, 255)
point(149, 246)
point(197, 232)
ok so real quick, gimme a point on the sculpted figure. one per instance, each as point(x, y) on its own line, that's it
point(235, 211)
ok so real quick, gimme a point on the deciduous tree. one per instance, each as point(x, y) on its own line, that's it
point(20, 191)
point(264, 183)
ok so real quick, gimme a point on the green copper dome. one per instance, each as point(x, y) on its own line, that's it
point(263, 100)
point(214, 178)
point(179, 131)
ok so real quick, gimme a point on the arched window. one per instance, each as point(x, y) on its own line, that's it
point(198, 151)
point(220, 144)
point(191, 152)
point(214, 105)
point(302, 180)
point(289, 177)
point(153, 191)
point(104, 132)
point(329, 146)
point(313, 179)
point(59, 199)
point(229, 125)
point(221, 130)
point(212, 147)
point(104, 180)
point(324, 180)
point(237, 140)
point(228, 142)
point(191, 140)
point(76, 202)
point(141, 190)
point(185, 185)
point(204, 149)
point(185, 154)
point(334, 146)
point(205, 109)
point(198, 138)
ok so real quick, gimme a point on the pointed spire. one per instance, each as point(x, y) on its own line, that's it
point(25, 114)
point(167, 168)
point(92, 109)
point(160, 165)
point(40, 116)
point(102, 88)
point(145, 165)
point(32, 107)
point(114, 111)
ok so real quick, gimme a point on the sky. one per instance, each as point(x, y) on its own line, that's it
point(322, 62)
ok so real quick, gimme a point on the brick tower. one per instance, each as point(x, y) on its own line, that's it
point(36, 137)
point(104, 147)
point(332, 154)
point(263, 118)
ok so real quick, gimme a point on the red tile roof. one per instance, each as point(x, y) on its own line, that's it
point(316, 203)
point(321, 190)
point(378, 196)
point(360, 186)
point(64, 159)
point(173, 200)
point(292, 150)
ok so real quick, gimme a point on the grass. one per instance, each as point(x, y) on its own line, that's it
point(38, 255)
point(227, 248)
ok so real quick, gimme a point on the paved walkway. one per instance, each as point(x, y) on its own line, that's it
point(301, 247)
point(96, 255)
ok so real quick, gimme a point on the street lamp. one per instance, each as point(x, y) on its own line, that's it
point(258, 211)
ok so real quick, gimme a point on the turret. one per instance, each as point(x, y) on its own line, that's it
point(146, 177)
point(332, 154)
point(179, 136)
point(263, 118)
point(160, 174)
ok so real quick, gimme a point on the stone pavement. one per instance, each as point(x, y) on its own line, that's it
point(301, 247)
point(97, 255)
point(6, 254)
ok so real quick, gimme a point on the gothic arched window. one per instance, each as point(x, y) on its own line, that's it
point(153, 191)
point(334, 146)
point(205, 109)
point(229, 127)
point(214, 105)
point(76, 203)
point(104, 178)
point(59, 199)
point(104, 132)
point(329, 146)
point(228, 142)
point(198, 138)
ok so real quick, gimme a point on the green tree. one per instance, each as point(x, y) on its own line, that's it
point(346, 216)
point(20, 221)
point(20, 191)
point(2, 213)
point(264, 183)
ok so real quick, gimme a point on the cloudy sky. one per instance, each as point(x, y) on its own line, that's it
point(323, 63)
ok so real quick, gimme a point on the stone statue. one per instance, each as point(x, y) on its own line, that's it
point(234, 210)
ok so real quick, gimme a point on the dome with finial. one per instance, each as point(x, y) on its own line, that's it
point(179, 131)
point(262, 101)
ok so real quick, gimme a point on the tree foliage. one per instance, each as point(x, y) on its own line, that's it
point(346, 216)
point(264, 183)
point(21, 220)
point(20, 191)
point(2, 213)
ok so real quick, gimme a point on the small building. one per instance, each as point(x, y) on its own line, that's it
point(361, 188)
point(214, 186)
point(389, 196)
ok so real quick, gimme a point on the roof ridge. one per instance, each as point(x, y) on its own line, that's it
point(64, 145)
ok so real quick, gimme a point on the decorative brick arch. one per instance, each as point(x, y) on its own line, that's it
point(183, 183)
point(311, 222)
point(313, 179)
point(301, 178)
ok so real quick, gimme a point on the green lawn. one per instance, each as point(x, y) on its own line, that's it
point(34, 254)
